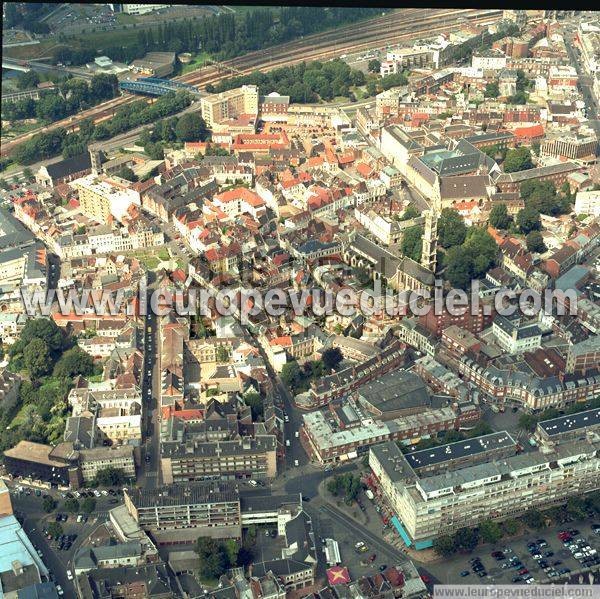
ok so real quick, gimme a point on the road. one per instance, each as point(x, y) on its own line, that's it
point(29, 508)
point(149, 475)
point(585, 82)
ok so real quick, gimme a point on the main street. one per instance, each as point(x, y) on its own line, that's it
point(149, 471)
point(585, 81)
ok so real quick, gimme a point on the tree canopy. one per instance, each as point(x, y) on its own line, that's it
point(535, 242)
point(451, 228)
point(517, 159)
point(499, 217)
point(412, 242)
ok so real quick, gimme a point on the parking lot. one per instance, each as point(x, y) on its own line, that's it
point(541, 556)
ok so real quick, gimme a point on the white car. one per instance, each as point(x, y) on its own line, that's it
point(287, 442)
point(104, 492)
point(69, 575)
point(297, 434)
point(296, 463)
point(97, 493)
point(59, 590)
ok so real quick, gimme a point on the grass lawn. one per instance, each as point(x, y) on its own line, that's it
point(198, 61)
point(148, 260)
point(163, 254)
point(125, 19)
point(23, 415)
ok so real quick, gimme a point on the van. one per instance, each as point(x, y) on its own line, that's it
point(253, 483)
point(287, 442)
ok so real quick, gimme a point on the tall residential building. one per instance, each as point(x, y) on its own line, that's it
point(429, 504)
point(182, 513)
point(229, 105)
point(102, 198)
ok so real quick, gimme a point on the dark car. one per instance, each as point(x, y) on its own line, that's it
point(557, 563)
point(543, 563)
point(305, 499)
point(573, 531)
point(549, 554)
point(465, 573)
point(67, 546)
point(382, 567)
point(481, 573)
point(564, 571)
point(478, 568)
point(517, 579)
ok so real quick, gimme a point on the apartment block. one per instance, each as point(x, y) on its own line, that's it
point(181, 513)
point(570, 427)
point(101, 198)
point(427, 506)
point(229, 105)
point(242, 458)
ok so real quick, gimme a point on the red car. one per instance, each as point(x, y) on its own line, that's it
point(523, 571)
point(372, 558)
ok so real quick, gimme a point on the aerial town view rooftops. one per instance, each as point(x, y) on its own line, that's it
point(298, 302)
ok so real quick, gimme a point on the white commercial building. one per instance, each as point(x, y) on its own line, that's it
point(587, 202)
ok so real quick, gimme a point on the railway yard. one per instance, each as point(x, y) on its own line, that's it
point(392, 28)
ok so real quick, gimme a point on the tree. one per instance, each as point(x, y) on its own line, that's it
point(410, 212)
point(499, 217)
point(55, 529)
point(444, 546)
point(291, 373)
point(222, 354)
point(465, 539)
point(191, 127)
point(451, 228)
point(110, 477)
point(511, 526)
point(71, 505)
point(535, 242)
point(28, 174)
point(74, 362)
point(460, 267)
point(48, 504)
point(412, 242)
point(492, 90)
point(490, 531)
point(37, 358)
point(255, 402)
point(28, 80)
point(518, 159)
point(88, 505)
point(482, 248)
point(214, 559)
point(534, 519)
point(331, 357)
point(528, 219)
point(527, 422)
point(127, 173)
point(374, 65)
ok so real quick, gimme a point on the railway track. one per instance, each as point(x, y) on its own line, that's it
point(394, 27)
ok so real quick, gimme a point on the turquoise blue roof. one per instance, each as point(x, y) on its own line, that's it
point(16, 546)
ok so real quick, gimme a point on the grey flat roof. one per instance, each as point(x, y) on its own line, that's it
point(571, 422)
point(452, 451)
point(261, 503)
point(189, 493)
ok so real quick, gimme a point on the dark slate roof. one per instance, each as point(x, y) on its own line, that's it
point(464, 186)
point(396, 390)
point(563, 424)
point(69, 166)
point(451, 451)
